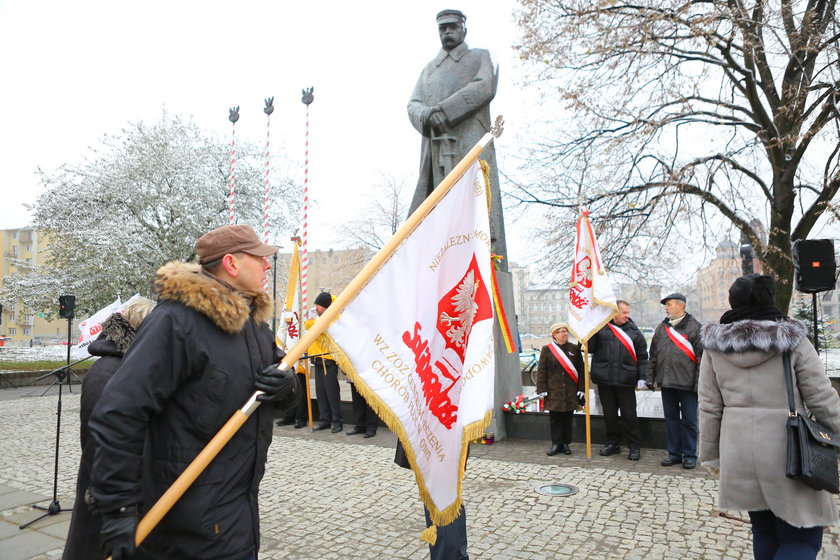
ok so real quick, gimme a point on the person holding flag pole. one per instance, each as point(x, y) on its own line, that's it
point(592, 303)
point(203, 350)
point(440, 489)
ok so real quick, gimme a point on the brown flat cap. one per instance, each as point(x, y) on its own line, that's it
point(225, 240)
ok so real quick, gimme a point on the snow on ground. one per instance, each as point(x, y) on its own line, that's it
point(57, 352)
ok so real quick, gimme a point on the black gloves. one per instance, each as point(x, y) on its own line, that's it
point(275, 384)
point(581, 398)
point(118, 531)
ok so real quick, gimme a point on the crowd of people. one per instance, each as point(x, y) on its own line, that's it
point(722, 386)
point(159, 393)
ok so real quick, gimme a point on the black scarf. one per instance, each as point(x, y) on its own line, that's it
point(757, 313)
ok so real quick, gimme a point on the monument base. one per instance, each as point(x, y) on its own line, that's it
point(508, 380)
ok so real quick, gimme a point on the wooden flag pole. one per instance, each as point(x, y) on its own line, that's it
point(192, 472)
point(586, 402)
point(379, 259)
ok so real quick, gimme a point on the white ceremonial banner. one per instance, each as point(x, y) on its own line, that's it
point(591, 298)
point(291, 326)
point(91, 327)
point(418, 341)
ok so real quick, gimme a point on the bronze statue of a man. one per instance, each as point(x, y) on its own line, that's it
point(450, 107)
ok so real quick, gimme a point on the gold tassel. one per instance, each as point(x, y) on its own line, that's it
point(485, 171)
point(429, 535)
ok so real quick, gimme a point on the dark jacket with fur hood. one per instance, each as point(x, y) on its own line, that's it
point(744, 410)
point(190, 368)
point(113, 341)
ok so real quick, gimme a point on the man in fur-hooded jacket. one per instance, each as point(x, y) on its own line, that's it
point(198, 358)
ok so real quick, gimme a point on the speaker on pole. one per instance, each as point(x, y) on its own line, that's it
point(814, 265)
point(67, 306)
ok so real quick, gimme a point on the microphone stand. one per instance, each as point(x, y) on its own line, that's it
point(61, 374)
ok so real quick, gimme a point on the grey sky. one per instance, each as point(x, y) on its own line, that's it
point(74, 71)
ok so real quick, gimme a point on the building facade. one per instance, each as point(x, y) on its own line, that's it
point(20, 325)
point(329, 271)
point(713, 283)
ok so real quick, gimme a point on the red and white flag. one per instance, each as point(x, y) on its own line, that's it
point(417, 341)
point(291, 326)
point(591, 298)
point(90, 328)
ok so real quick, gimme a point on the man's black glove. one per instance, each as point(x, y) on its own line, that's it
point(275, 384)
point(581, 398)
point(118, 531)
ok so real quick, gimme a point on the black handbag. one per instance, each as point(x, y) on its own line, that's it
point(811, 447)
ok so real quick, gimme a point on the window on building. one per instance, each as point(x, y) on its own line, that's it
point(30, 318)
point(27, 331)
point(12, 331)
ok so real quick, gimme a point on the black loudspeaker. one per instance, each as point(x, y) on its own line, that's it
point(66, 307)
point(814, 265)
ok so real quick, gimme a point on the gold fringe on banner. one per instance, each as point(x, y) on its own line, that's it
point(429, 535)
point(471, 432)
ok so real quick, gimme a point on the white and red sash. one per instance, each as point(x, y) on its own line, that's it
point(681, 342)
point(625, 340)
point(564, 360)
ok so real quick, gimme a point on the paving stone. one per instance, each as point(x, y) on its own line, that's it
point(335, 497)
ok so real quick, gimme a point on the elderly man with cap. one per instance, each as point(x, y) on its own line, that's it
point(674, 365)
point(560, 376)
point(450, 108)
point(198, 357)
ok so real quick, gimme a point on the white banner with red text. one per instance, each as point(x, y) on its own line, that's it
point(418, 341)
point(90, 328)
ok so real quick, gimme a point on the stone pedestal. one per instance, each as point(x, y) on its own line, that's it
point(508, 382)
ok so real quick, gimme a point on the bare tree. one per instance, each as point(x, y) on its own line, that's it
point(687, 116)
point(379, 218)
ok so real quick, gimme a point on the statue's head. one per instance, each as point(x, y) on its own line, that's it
point(452, 28)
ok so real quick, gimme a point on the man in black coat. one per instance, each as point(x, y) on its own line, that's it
point(201, 354)
point(619, 357)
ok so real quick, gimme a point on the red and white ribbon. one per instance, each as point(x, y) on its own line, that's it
point(232, 173)
point(304, 254)
point(564, 360)
point(682, 343)
point(625, 340)
point(266, 203)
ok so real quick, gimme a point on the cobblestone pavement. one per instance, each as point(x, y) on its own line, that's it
point(332, 496)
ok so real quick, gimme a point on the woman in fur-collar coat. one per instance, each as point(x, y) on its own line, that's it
point(563, 392)
point(118, 332)
point(743, 414)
